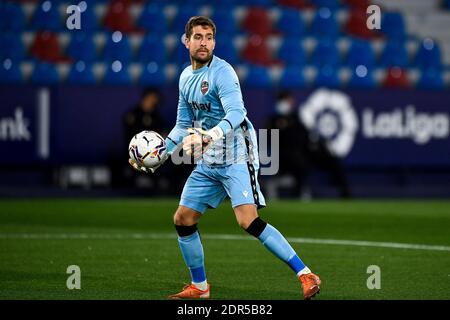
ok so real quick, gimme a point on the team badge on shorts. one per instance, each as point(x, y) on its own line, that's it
point(204, 87)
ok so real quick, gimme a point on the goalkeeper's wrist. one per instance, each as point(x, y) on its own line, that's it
point(215, 133)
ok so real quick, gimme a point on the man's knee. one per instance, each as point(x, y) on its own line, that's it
point(185, 216)
point(245, 215)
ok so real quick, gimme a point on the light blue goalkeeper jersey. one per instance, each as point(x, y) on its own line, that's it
point(208, 97)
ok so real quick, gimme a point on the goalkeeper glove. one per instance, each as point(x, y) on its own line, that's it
point(199, 141)
point(140, 168)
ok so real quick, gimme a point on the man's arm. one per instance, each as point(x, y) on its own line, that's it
point(184, 121)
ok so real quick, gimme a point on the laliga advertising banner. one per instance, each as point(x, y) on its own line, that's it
point(24, 125)
point(380, 128)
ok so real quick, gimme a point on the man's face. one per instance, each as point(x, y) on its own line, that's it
point(201, 44)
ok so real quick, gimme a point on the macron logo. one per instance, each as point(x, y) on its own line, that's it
point(245, 193)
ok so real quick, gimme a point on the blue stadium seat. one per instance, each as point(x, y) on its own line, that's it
point(117, 74)
point(226, 50)
point(152, 49)
point(10, 72)
point(360, 53)
point(292, 78)
point(45, 74)
point(12, 17)
point(330, 4)
point(183, 15)
point(325, 53)
point(327, 76)
point(89, 20)
point(82, 47)
point(153, 19)
point(153, 75)
point(362, 78)
point(394, 54)
point(46, 17)
point(258, 77)
point(428, 55)
point(11, 46)
point(291, 23)
point(324, 24)
point(291, 52)
point(431, 78)
point(259, 3)
point(225, 21)
point(81, 73)
point(392, 25)
point(180, 54)
point(117, 48)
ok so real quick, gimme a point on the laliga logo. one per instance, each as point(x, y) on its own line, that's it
point(331, 115)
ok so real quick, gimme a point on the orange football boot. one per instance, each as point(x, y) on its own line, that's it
point(191, 292)
point(310, 283)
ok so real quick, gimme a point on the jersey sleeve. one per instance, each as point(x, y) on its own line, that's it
point(184, 121)
point(230, 95)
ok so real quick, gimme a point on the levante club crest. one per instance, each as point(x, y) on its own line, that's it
point(205, 86)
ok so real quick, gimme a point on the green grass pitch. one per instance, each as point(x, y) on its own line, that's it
point(127, 249)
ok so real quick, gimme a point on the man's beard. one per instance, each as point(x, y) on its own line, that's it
point(198, 59)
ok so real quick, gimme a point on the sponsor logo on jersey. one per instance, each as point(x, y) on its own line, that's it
point(200, 106)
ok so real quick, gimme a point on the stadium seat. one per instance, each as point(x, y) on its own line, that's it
point(89, 21)
point(330, 4)
point(152, 49)
point(11, 46)
point(360, 53)
point(46, 17)
point(327, 76)
point(180, 55)
point(361, 78)
point(12, 17)
point(431, 78)
point(117, 74)
point(325, 53)
point(291, 52)
point(394, 54)
point(44, 74)
point(153, 75)
point(258, 77)
point(117, 48)
point(81, 73)
point(290, 23)
point(182, 17)
point(396, 78)
point(292, 78)
point(296, 4)
point(152, 19)
point(225, 49)
point(393, 26)
point(10, 72)
point(225, 21)
point(82, 47)
point(118, 18)
point(257, 21)
point(256, 51)
point(324, 24)
point(46, 47)
point(428, 54)
point(358, 4)
point(356, 24)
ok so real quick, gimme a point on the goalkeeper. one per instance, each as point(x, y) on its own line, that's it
point(223, 137)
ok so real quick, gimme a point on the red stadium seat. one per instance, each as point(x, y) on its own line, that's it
point(258, 21)
point(356, 25)
point(46, 47)
point(396, 78)
point(297, 4)
point(257, 52)
point(362, 4)
point(118, 18)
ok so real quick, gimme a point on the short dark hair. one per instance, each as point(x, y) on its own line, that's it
point(199, 21)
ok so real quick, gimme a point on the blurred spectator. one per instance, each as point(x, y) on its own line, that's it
point(301, 150)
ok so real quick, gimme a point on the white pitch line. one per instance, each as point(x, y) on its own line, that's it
point(142, 236)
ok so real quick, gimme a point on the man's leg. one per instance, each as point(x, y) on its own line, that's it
point(274, 241)
point(185, 220)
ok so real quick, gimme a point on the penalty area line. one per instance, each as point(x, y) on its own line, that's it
point(160, 236)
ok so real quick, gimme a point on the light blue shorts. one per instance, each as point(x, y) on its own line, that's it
point(208, 186)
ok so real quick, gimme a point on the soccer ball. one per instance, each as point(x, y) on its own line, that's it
point(147, 148)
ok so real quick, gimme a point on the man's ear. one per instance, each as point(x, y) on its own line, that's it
point(186, 42)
